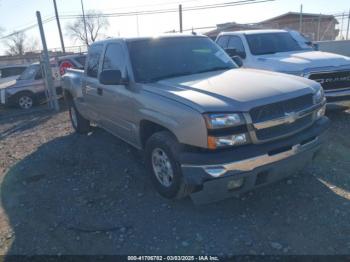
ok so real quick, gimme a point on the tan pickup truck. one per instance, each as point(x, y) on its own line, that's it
point(208, 128)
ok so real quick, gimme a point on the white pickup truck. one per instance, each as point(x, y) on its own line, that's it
point(280, 51)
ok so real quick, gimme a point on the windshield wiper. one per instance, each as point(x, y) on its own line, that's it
point(214, 69)
point(155, 79)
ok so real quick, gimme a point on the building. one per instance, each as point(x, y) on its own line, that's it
point(314, 26)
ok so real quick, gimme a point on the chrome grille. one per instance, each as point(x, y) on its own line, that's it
point(332, 80)
point(281, 130)
point(276, 110)
point(283, 118)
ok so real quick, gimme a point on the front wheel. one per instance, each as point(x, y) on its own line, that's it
point(79, 123)
point(25, 100)
point(161, 160)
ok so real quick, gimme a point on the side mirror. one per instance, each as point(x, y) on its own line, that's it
point(238, 60)
point(233, 52)
point(111, 77)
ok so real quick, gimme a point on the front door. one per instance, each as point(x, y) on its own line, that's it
point(90, 85)
point(116, 101)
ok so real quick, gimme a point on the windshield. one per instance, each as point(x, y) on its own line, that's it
point(270, 43)
point(29, 73)
point(156, 59)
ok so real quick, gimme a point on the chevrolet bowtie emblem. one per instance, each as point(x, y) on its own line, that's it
point(290, 117)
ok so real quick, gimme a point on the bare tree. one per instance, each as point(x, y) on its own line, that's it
point(15, 43)
point(18, 44)
point(95, 25)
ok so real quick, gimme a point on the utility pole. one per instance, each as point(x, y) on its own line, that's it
point(319, 28)
point(59, 26)
point(342, 26)
point(180, 17)
point(48, 73)
point(301, 19)
point(347, 30)
point(86, 36)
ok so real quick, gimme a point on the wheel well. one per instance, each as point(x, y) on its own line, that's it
point(148, 128)
point(24, 92)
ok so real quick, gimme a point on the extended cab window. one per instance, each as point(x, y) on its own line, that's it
point(114, 58)
point(235, 42)
point(94, 56)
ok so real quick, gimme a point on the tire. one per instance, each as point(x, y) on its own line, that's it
point(161, 155)
point(79, 123)
point(25, 100)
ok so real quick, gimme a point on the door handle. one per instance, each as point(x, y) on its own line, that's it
point(100, 91)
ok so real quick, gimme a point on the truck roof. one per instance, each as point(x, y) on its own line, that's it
point(163, 36)
point(250, 32)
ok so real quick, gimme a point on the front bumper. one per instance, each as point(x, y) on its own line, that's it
point(254, 165)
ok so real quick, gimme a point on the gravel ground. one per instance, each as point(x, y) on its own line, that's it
point(63, 193)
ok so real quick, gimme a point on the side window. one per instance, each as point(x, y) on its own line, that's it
point(235, 42)
point(114, 58)
point(39, 74)
point(7, 72)
point(94, 55)
point(17, 70)
point(222, 41)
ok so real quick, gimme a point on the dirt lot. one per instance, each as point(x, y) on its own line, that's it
point(63, 193)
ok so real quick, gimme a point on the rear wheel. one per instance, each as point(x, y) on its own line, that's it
point(161, 160)
point(79, 123)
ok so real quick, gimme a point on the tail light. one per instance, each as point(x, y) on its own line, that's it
point(64, 65)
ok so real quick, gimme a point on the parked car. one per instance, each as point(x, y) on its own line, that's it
point(207, 128)
point(10, 72)
point(283, 51)
point(28, 89)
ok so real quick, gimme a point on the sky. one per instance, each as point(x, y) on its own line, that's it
point(17, 14)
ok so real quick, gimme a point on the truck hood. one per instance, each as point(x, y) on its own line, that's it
point(233, 90)
point(302, 62)
point(7, 84)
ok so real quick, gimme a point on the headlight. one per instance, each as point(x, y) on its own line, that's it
point(215, 121)
point(319, 96)
point(226, 141)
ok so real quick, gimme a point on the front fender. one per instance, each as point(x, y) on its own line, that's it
point(185, 123)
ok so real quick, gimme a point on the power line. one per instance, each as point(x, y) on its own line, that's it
point(138, 6)
point(27, 28)
point(171, 10)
